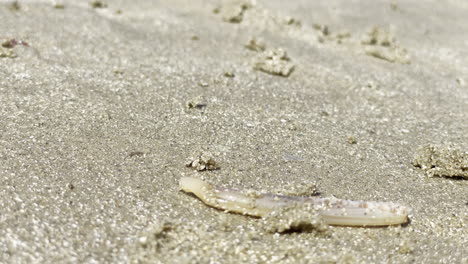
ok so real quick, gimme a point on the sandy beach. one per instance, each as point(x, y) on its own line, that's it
point(104, 104)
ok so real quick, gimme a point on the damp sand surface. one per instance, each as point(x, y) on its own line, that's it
point(103, 103)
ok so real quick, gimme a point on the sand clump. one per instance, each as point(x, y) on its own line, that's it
point(442, 161)
point(255, 44)
point(202, 162)
point(381, 43)
point(275, 62)
point(233, 11)
point(7, 53)
point(324, 34)
point(97, 4)
point(271, 61)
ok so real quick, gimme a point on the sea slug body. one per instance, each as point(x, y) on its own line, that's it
point(333, 211)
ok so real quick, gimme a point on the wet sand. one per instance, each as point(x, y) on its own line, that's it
point(102, 106)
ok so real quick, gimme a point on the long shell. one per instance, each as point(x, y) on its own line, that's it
point(333, 211)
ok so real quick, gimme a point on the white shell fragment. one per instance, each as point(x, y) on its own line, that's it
point(333, 211)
